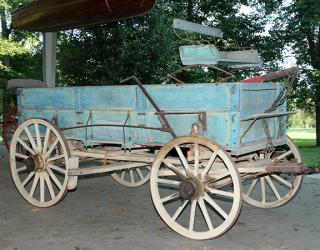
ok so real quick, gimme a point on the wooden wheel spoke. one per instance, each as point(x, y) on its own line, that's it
point(283, 181)
point(23, 144)
point(205, 213)
point(131, 175)
point(54, 178)
point(21, 156)
point(140, 173)
point(21, 169)
point(49, 185)
point(123, 175)
point(34, 185)
point(179, 210)
point(48, 153)
point(280, 157)
point(54, 167)
point(273, 188)
point(174, 169)
point(38, 136)
point(55, 158)
point(169, 182)
point(29, 177)
point(170, 197)
point(183, 160)
point(42, 188)
point(208, 199)
point(196, 158)
point(252, 186)
point(208, 167)
point(31, 140)
point(220, 192)
point(263, 189)
point(192, 215)
point(46, 140)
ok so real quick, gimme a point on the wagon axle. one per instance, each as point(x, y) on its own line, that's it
point(35, 164)
point(191, 188)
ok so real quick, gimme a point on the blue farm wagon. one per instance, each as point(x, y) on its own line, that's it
point(204, 147)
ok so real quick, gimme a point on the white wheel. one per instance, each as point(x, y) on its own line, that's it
point(42, 176)
point(134, 177)
point(195, 188)
point(275, 190)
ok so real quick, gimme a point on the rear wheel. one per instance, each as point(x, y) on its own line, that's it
point(41, 177)
point(275, 190)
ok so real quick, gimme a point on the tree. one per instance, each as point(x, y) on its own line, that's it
point(18, 55)
point(147, 46)
point(297, 25)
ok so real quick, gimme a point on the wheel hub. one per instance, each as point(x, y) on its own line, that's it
point(35, 164)
point(191, 188)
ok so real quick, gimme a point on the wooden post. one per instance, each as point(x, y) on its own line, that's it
point(49, 58)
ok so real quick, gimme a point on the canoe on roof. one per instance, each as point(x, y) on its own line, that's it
point(55, 15)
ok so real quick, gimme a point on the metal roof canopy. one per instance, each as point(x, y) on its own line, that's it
point(50, 16)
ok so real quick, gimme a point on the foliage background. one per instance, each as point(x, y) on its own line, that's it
point(148, 47)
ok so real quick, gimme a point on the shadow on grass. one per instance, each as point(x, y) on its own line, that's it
point(306, 143)
point(310, 153)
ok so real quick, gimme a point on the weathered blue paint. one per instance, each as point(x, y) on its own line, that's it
point(225, 106)
point(198, 28)
point(210, 55)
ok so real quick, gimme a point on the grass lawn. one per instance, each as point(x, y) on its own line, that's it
point(306, 141)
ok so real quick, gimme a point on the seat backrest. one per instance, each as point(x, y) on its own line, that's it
point(199, 55)
point(197, 28)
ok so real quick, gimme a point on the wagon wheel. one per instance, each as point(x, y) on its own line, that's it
point(134, 177)
point(38, 178)
point(199, 197)
point(10, 125)
point(275, 190)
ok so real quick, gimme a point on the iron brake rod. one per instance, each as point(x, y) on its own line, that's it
point(163, 119)
point(114, 125)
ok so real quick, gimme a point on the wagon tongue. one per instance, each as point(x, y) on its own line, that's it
point(55, 15)
point(287, 168)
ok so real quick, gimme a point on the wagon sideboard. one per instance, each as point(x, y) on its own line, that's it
point(218, 112)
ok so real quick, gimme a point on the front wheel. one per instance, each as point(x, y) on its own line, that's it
point(195, 188)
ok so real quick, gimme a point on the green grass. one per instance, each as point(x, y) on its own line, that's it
point(306, 141)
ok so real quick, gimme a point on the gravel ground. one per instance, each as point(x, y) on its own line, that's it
point(103, 215)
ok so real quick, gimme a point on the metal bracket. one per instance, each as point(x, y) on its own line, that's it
point(202, 117)
point(203, 120)
point(257, 117)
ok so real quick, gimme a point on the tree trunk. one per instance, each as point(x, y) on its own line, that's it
point(190, 6)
